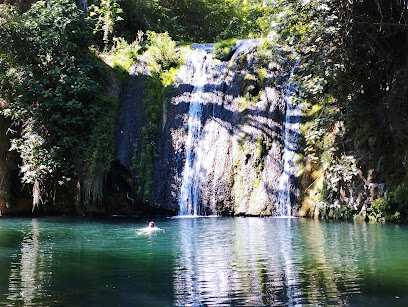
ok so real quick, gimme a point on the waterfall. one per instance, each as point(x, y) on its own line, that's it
point(287, 188)
point(221, 150)
point(189, 193)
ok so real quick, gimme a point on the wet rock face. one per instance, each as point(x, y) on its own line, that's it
point(131, 119)
point(10, 187)
point(234, 148)
point(4, 167)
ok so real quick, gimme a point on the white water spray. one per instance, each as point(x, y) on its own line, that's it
point(287, 191)
point(212, 119)
point(189, 193)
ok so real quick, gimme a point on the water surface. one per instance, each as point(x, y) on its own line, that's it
point(202, 262)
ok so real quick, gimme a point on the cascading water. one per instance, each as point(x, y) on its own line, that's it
point(287, 190)
point(189, 193)
point(220, 150)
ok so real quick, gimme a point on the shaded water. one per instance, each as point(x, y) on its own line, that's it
point(202, 262)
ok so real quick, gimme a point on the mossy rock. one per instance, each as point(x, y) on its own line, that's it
point(225, 49)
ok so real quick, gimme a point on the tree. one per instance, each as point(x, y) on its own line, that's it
point(195, 20)
point(352, 55)
point(50, 81)
point(106, 13)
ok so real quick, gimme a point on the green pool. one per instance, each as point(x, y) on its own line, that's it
point(201, 262)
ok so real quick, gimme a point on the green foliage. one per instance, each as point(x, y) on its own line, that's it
point(195, 20)
point(378, 210)
point(262, 148)
point(141, 15)
point(393, 208)
point(348, 55)
point(52, 85)
point(222, 50)
point(105, 13)
point(99, 150)
point(122, 55)
point(164, 60)
point(161, 53)
point(265, 53)
point(145, 168)
point(251, 18)
point(314, 32)
point(398, 201)
point(341, 172)
point(256, 78)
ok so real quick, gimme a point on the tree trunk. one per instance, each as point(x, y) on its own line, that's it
point(36, 194)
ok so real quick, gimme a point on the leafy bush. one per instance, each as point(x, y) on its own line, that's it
point(252, 18)
point(392, 208)
point(105, 13)
point(341, 172)
point(52, 84)
point(123, 55)
point(223, 49)
point(399, 203)
point(378, 210)
point(161, 53)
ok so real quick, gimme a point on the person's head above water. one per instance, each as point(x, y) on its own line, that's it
point(151, 224)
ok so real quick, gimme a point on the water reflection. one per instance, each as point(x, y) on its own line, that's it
point(255, 262)
point(316, 271)
point(240, 260)
point(30, 269)
point(202, 267)
point(264, 261)
point(203, 262)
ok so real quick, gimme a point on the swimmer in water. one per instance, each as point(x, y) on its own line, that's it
point(149, 228)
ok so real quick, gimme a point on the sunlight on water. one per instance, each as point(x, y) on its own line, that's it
point(29, 272)
point(202, 262)
point(194, 216)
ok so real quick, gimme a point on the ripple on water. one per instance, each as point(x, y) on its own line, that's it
point(202, 262)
